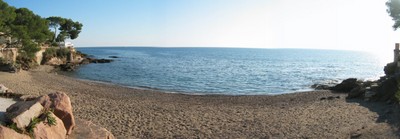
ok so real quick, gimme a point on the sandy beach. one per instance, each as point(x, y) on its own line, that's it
point(137, 113)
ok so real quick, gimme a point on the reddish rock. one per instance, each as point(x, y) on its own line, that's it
point(21, 113)
point(88, 130)
point(7, 133)
point(46, 131)
point(61, 104)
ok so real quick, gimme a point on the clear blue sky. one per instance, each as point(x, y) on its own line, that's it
point(327, 24)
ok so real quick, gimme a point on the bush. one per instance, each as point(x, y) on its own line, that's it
point(63, 52)
point(55, 52)
point(29, 50)
point(48, 54)
point(25, 62)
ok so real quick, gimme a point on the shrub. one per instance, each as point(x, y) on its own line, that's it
point(63, 52)
point(48, 54)
point(55, 52)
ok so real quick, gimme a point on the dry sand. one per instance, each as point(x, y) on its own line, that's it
point(137, 113)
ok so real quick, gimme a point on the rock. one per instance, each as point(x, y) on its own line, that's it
point(46, 131)
point(346, 85)
point(3, 89)
point(61, 104)
point(7, 133)
point(386, 90)
point(22, 112)
point(55, 61)
point(356, 92)
point(390, 69)
point(28, 97)
point(93, 60)
point(85, 61)
point(369, 94)
point(356, 134)
point(68, 66)
point(113, 56)
point(320, 87)
point(88, 130)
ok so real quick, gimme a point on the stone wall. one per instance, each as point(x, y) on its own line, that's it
point(9, 54)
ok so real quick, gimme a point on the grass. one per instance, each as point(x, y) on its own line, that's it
point(45, 117)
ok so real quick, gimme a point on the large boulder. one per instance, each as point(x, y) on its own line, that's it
point(346, 85)
point(390, 68)
point(61, 104)
point(46, 131)
point(88, 130)
point(387, 89)
point(357, 92)
point(7, 133)
point(21, 113)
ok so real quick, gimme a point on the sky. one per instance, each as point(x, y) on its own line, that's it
point(322, 24)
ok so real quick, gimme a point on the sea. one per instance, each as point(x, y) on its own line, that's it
point(227, 71)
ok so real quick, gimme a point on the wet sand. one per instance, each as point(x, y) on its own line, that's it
point(137, 113)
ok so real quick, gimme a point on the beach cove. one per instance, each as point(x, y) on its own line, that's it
point(137, 113)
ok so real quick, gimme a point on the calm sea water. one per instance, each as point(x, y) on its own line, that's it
point(229, 71)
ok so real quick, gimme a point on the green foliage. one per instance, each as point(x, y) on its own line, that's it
point(7, 15)
point(55, 22)
point(68, 28)
point(50, 119)
point(28, 26)
point(394, 11)
point(29, 30)
point(14, 127)
point(55, 52)
point(49, 53)
point(63, 52)
point(32, 125)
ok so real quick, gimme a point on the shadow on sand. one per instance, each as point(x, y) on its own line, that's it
point(387, 112)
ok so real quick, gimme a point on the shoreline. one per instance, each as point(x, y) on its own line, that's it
point(137, 113)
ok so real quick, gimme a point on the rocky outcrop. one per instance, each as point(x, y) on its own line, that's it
point(356, 92)
point(390, 69)
point(7, 133)
point(68, 66)
point(387, 89)
point(346, 85)
point(61, 104)
point(46, 131)
point(94, 60)
point(88, 130)
point(22, 113)
point(55, 61)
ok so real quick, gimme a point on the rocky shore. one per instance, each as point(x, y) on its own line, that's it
point(137, 113)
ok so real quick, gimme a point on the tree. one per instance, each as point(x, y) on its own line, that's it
point(7, 15)
point(55, 22)
point(67, 27)
point(394, 12)
point(29, 27)
point(71, 28)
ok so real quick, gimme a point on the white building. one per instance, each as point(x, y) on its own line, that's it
point(66, 45)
